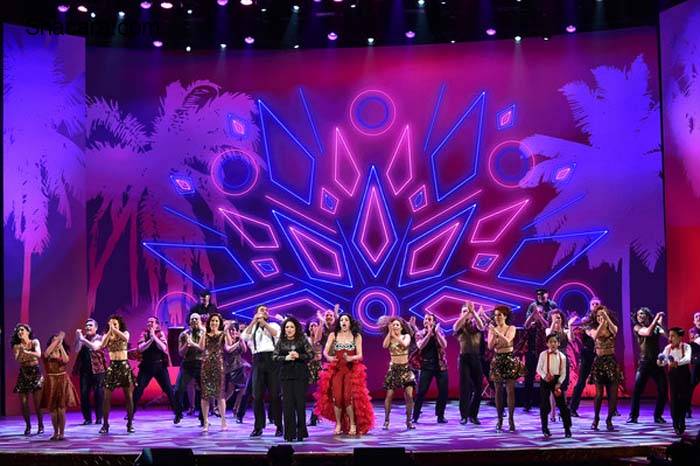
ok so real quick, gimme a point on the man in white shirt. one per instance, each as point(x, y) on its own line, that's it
point(551, 368)
point(677, 356)
point(261, 337)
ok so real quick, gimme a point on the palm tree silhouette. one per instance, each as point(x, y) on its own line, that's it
point(620, 119)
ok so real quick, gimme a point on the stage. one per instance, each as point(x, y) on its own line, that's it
point(434, 443)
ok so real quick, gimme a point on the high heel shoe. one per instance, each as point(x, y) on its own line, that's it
point(511, 425)
point(224, 425)
point(409, 423)
point(499, 424)
point(40, 430)
point(386, 424)
point(353, 430)
point(205, 427)
point(594, 425)
point(609, 425)
point(28, 430)
point(338, 429)
point(104, 429)
point(130, 428)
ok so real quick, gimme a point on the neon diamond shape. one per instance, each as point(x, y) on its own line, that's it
point(346, 172)
point(329, 202)
point(303, 304)
point(266, 266)
point(418, 199)
point(505, 118)
point(399, 173)
point(501, 218)
point(246, 225)
point(183, 184)
point(484, 261)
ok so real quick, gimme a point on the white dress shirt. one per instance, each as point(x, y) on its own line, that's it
point(260, 340)
point(681, 355)
point(552, 363)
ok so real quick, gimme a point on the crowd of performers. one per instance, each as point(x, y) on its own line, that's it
point(326, 355)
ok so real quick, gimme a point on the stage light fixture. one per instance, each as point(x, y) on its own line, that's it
point(166, 5)
point(332, 36)
point(158, 43)
point(82, 8)
point(421, 3)
point(222, 2)
point(296, 46)
point(121, 14)
point(518, 39)
point(222, 46)
point(453, 41)
point(490, 32)
point(546, 38)
point(370, 41)
point(145, 5)
point(410, 34)
point(570, 28)
point(188, 49)
point(246, 2)
point(93, 15)
point(63, 8)
point(263, 10)
point(296, 8)
point(249, 40)
point(354, 5)
point(189, 12)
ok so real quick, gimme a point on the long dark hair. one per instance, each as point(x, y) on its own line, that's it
point(307, 328)
point(405, 328)
point(221, 322)
point(63, 343)
point(298, 329)
point(15, 334)
point(594, 317)
point(647, 313)
point(120, 320)
point(505, 310)
point(354, 325)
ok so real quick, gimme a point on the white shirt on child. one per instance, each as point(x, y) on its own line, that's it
point(552, 363)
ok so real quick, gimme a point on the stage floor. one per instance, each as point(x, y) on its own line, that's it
point(154, 428)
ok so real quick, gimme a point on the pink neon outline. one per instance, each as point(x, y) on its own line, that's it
point(497, 290)
point(183, 184)
point(261, 259)
point(257, 295)
point(244, 234)
point(315, 222)
point(481, 254)
point(452, 229)
point(506, 117)
point(406, 134)
point(393, 311)
point(392, 111)
point(569, 284)
point(459, 299)
point(297, 233)
point(520, 205)
point(425, 195)
point(322, 206)
point(353, 163)
point(238, 127)
point(450, 208)
point(495, 149)
point(172, 293)
point(286, 304)
point(256, 171)
point(374, 198)
point(559, 176)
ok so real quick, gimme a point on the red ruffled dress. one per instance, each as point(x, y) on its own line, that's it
point(344, 383)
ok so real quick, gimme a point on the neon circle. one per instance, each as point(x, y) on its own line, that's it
point(577, 288)
point(496, 162)
point(184, 295)
point(234, 172)
point(372, 112)
point(368, 300)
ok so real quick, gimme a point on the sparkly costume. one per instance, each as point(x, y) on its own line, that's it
point(505, 366)
point(59, 392)
point(235, 368)
point(119, 373)
point(315, 365)
point(605, 368)
point(213, 367)
point(399, 375)
point(29, 379)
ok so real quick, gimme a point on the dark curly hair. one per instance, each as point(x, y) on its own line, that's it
point(505, 310)
point(120, 320)
point(593, 323)
point(307, 328)
point(354, 325)
point(221, 322)
point(298, 329)
point(558, 311)
point(63, 343)
point(405, 328)
point(647, 313)
point(15, 334)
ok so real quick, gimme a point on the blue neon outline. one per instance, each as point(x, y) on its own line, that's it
point(363, 103)
point(320, 288)
point(191, 220)
point(512, 120)
point(345, 284)
point(277, 270)
point(422, 191)
point(245, 185)
point(554, 211)
point(373, 271)
point(511, 179)
point(350, 252)
point(433, 285)
point(490, 255)
point(281, 298)
point(151, 244)
point(398, 251)
point(448, 330)
point(323, 201)
point(479, 100)
point(177, 188)
point(471, 208)
point(441, 93)
point(560, 269)
point(366, 291)
point(312, 176)
point(311, 120)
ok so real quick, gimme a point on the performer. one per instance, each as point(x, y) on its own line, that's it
point(205, 307)
point(694, 334)
point(90, 367)
point(190, 375)
point(556, 327)
point(292, 352)
point(676, 357)
point(212, 378)
point(605, 372)
point(433, 364)
point(577, 330)
point(59, 392)
point(248, 391)
point(153, 347)
point(648, 330)
point(314, 335)
point(399, 376)
point(235, 368)
point(342, 393)
point(261, 336)
point(551, 367)
point(469, 330)
point(534, 341)
point(505, 367)
point(119, 373)
point(27, 351)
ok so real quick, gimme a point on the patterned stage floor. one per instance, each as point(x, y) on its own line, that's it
point(154, 428)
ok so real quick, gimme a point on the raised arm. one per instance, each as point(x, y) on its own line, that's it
point(37, 349)
point(54, 344)
point(423, 339)
point(327, 349)
point(440, 337)
point(387, 339)
point(480, 325)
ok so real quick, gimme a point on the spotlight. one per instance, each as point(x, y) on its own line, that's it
point(63, 8)
point(188, 49)
point(145, 5)
point(546, 38)
point(93, 15)
point(222, 2)
point(189, 12)
point(570, 28)
point(410, 34)
point(421, 3)
point(158, 43)
point(222, 46)
point(518, 39)
point(370, 41)
point(332, 36)
point(490, 32)
point(263, 10)
point(452, 41)
point(337, 1)
point(249, 40)
point(82, 8)
point(296, 8)
point(166, 5)
point(296, 46)
point(121, 14)
point(246, 2)
point(353, 5)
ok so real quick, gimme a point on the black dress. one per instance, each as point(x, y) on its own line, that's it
point(294, 376)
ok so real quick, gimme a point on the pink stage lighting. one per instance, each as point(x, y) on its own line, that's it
point(250, 41)
point(410, 34)
point(222, 2)
point(145, 5)
point(332, 36)
point(570, 28)
point(157, 43)
point(490, 32)
point(63, 8)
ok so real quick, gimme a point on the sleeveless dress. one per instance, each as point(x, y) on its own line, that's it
point(59, 392)
point(213, 367)
point(29, 379)
point(343, 384)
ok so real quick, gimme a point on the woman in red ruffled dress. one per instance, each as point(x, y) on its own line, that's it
point(342, 393)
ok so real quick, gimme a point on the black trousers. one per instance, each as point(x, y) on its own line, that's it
point(189, 372)
point(159, 372)
point(265, 377)
point(547, 388)
point(90, 382)
point(294, 407)
point(470, 384)
point(246, 397)
point(585, 363)
point(679, 385)
point(529, 382)
point(646, 369)
point(427, 376)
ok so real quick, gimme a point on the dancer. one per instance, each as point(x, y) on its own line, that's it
point(212, 378)
point(432, 345)
point(534, 341)
point(90, 367)
point(676, 357)
point(469, 332)
point(205, 307)
point(235, 367)
point(694, 334)
point(342, 393)
point(59, 392)
point(261, 336)
point(648, 330)
point(292, 352)
point(556, 327)
point(605, 372)
point(153, 347)
point(314, 334)
point(551, 367)
point(27, 351)
point(248, 390)
point(505, 367)
point(586, 355)
point(119, 373)
point(399, 376)
point(189, 376)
